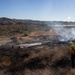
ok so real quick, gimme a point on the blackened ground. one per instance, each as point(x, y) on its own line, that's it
point(53, 60)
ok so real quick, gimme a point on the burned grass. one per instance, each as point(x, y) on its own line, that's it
point(45, 61)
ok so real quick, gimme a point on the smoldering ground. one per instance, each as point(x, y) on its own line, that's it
point(66, 32)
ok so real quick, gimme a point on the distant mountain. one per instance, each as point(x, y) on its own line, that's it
point(8, 21)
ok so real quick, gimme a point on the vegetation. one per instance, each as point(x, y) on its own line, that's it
point(44, 61)
point(23, 27)
point(40, 60)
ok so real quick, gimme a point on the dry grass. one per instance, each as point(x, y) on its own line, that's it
point(24, 39)
point(44, 33)
point(45, 61)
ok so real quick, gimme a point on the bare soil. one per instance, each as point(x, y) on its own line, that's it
point(40, 60)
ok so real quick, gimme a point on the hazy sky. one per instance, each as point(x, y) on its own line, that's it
point(38, 9)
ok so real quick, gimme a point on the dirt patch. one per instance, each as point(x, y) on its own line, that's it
point(44, 33)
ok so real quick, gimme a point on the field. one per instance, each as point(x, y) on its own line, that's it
point(45, 59)
point(52, 57)
point(42, 60)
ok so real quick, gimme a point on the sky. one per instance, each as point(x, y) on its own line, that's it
point(44, 10)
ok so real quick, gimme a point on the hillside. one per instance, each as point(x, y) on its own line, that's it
point(8, 21)
point(10, 27)
point(50, 58)
point(20, 27)
point(40, 60)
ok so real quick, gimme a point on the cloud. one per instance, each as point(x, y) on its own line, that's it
point(69, 18)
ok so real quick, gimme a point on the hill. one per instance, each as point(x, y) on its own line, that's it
point(20, 27)
point(8, 21)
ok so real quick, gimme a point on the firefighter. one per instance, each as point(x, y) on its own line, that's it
point(72, 55)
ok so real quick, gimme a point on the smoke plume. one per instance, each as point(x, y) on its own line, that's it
point(66, 33)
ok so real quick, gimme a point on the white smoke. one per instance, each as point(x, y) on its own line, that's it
point(66, 33)
point(69, 17)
